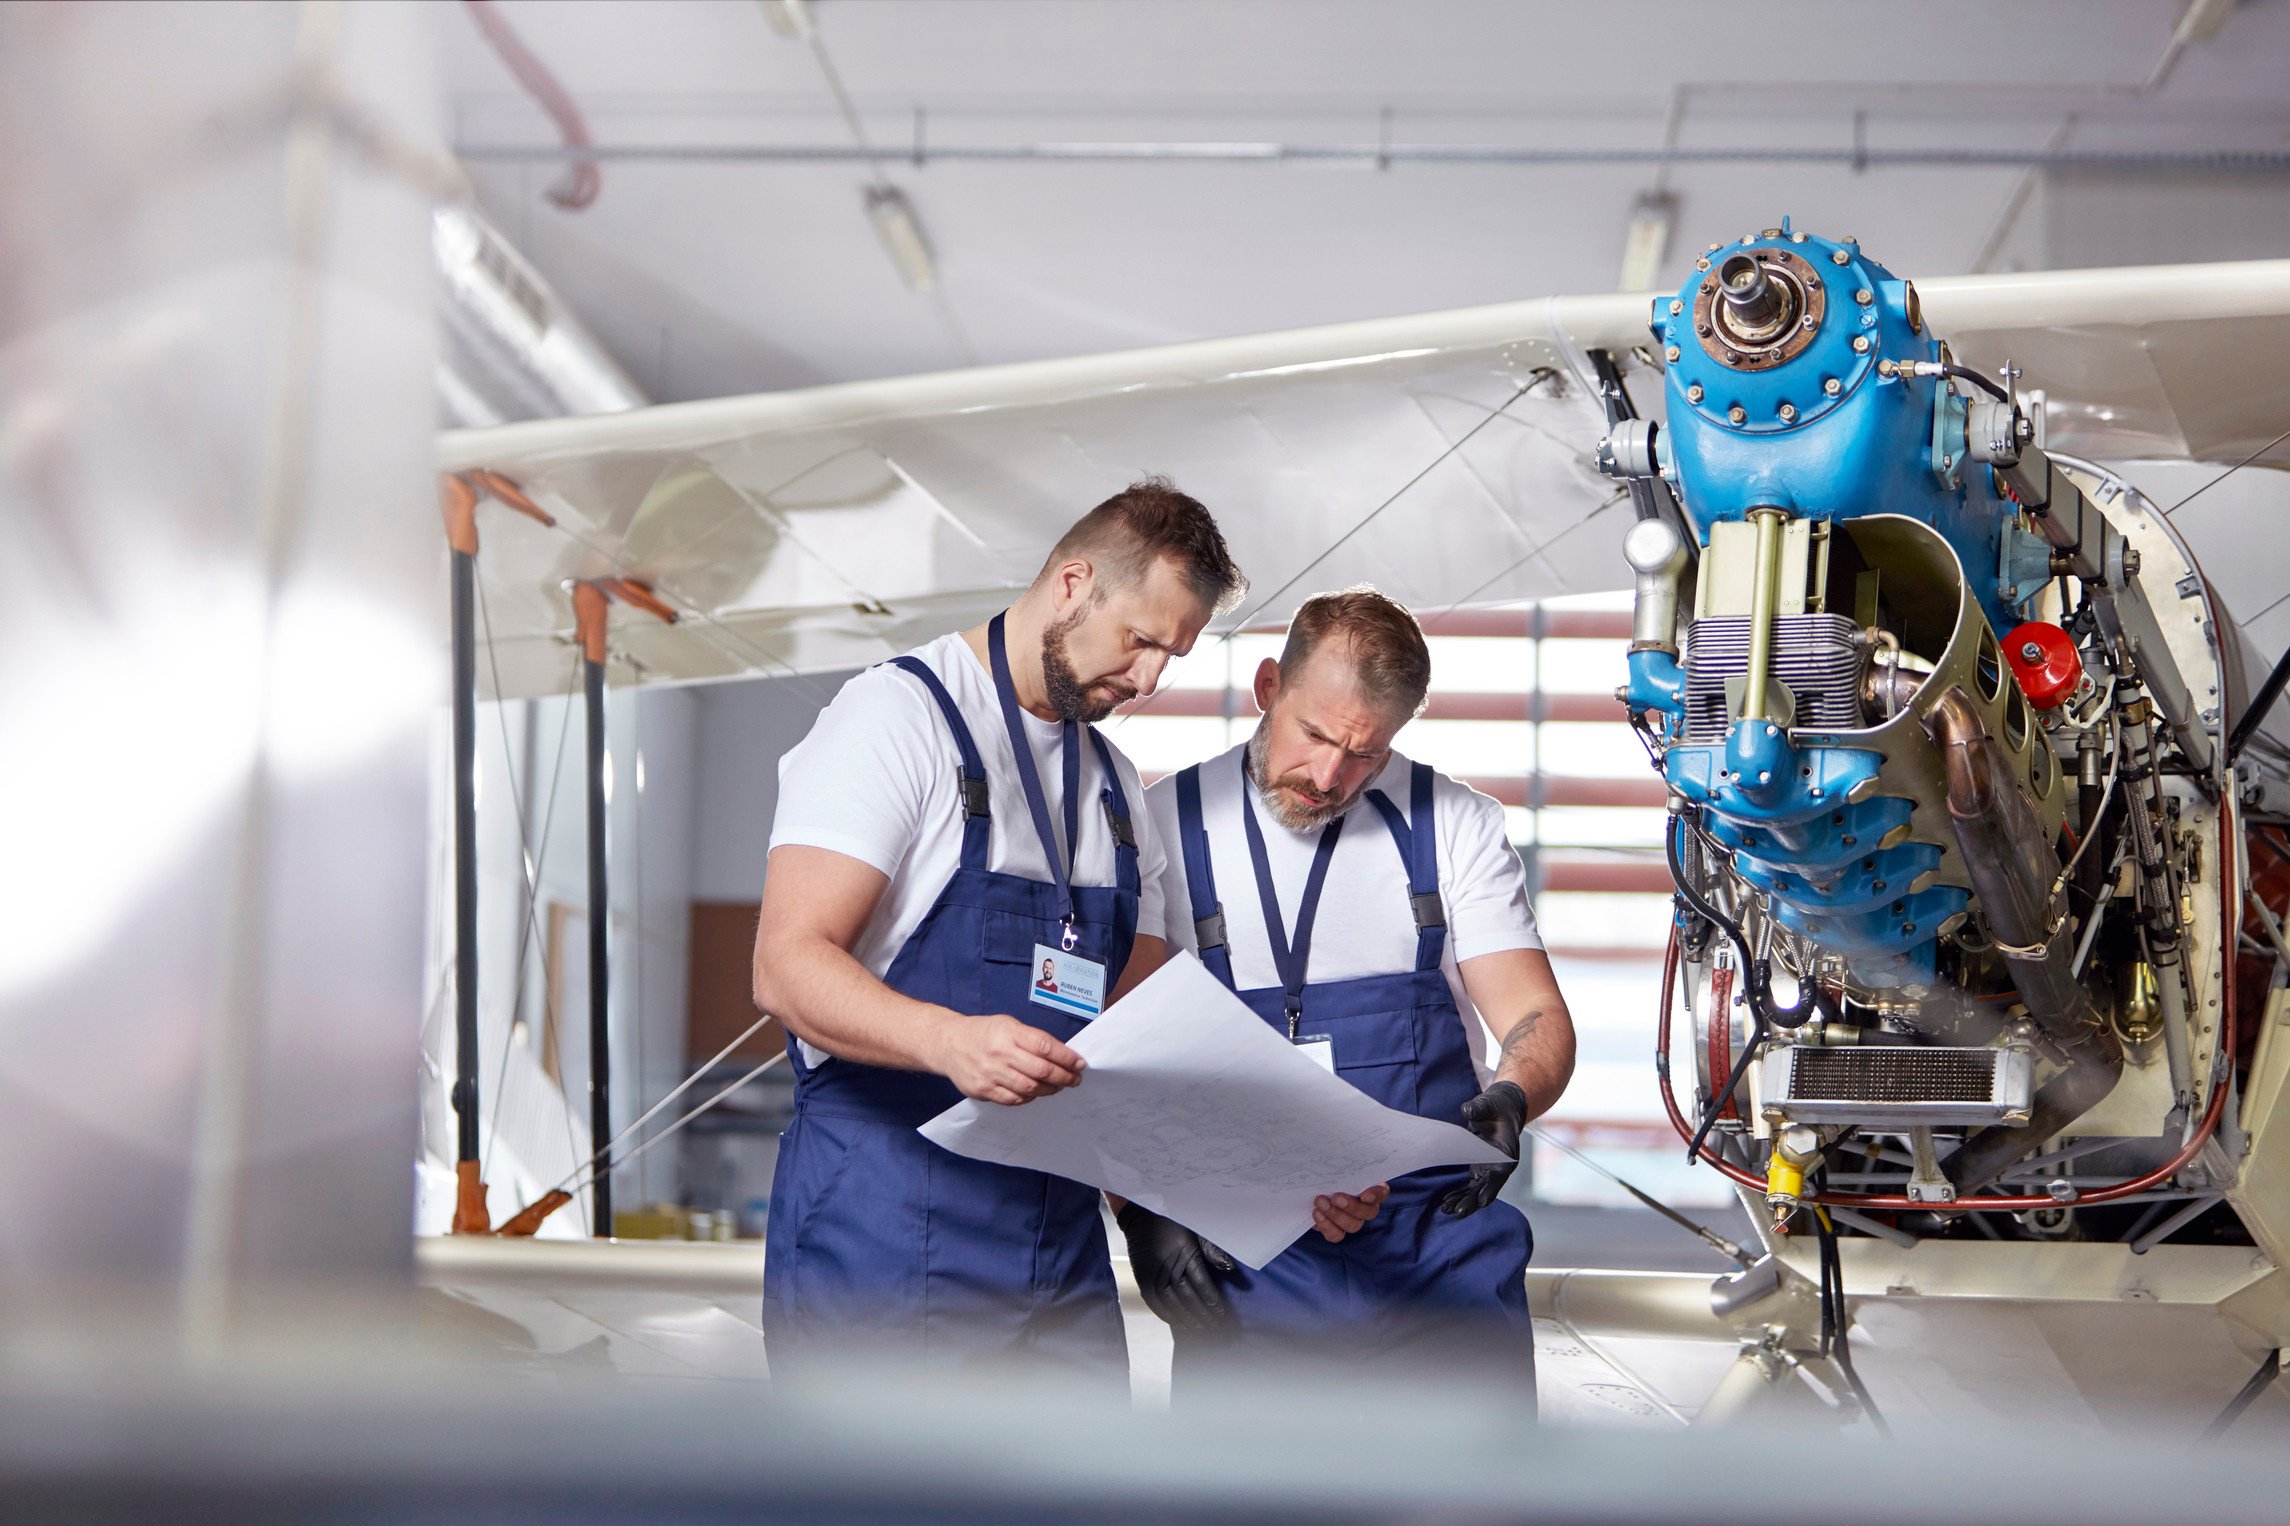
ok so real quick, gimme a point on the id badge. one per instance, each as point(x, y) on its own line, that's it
point(1067, 982)
point(1320, 1049)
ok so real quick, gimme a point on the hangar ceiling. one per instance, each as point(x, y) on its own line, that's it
point(709, 277)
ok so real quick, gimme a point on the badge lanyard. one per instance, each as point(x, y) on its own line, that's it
point(1028, 776)
point(1290, 960)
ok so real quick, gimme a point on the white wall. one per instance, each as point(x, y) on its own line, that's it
point(744, 728)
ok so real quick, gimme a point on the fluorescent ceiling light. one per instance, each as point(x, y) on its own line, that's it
point(789, 18)
point(895, 224)
point(1647, 241)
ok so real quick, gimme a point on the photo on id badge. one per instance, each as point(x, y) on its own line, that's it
point(1068, 982)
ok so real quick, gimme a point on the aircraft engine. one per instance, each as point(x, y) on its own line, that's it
point(1938, 717)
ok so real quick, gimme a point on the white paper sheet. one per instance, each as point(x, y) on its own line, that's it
point(1194, 1107)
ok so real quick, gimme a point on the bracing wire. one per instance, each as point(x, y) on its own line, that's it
point(1708, 1235)
point(685, 1085)
point(2222, 476)
point(530, 863)
point(1541, 375)
point(598, 1168)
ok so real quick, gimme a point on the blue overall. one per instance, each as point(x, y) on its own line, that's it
point(880, 1240)
point(1416, 1286)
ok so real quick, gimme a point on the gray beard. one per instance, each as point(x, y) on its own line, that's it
point(1296, 818)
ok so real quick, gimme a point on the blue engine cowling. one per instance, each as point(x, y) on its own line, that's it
point(1815, 409)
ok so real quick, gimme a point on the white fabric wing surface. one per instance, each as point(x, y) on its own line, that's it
point(1195, 1108)
point(835, 526)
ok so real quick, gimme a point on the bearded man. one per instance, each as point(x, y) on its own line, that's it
point(1373, 911)
point(957, 882)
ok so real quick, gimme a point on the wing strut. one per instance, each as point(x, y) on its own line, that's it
point(458, 497)
point(592, 605)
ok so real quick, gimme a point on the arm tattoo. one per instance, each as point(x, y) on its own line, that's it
point(1516, 1039)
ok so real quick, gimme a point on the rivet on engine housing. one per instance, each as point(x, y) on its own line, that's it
point(1694, 393)
point(1676, 307)
point(1787, 411)
point(1860, 344)
point(1701, 264)
point(1671, 353)
point(1736, 414)
point(1832, 386)
point(1838, 257)
point(1864, 296)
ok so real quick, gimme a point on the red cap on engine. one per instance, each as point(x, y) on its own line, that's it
point(2043, 659)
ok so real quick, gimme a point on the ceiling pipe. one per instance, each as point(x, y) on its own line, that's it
point(584, 179)
point(1373, 155)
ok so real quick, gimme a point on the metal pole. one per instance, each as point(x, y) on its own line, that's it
point(589, 606)
point(465, 852)
point(458, 499)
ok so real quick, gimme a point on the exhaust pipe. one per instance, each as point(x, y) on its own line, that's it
point(2012, 866)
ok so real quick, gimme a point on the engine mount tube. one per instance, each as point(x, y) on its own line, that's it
point(2013, 869)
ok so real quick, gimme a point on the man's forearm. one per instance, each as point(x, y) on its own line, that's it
point(832, 1001)
point(1537, 1055)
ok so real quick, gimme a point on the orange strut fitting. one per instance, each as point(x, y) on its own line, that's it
point(529, 1219)
point(591, 605)
point(470, 1216)
point(498, 486)
point(457, 500)
point(640, 596)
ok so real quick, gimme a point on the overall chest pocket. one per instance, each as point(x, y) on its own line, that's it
point(1007, 965)
point(1375, 1051)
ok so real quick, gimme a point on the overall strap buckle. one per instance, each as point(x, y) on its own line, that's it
point(1428, 911)
point(1209, 931)
point(1123, 835)
point(975, 797)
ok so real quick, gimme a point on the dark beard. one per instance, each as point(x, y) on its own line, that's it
point(1295, 818)
point(1068, 695)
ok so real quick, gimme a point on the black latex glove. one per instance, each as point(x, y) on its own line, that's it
point(1175, 1270)
point(1495, 1115)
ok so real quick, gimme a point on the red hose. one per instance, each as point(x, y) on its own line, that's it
point(582, 178)
point(2230, 917)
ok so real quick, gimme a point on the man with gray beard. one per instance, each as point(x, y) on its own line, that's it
point(1374, 913)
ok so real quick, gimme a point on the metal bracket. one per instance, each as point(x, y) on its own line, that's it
point(1927, 1185)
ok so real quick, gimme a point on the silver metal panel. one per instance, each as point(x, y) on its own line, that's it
point(220, 601)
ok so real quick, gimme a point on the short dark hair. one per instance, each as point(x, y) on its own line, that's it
point(1390, 659)
point(1145, 522)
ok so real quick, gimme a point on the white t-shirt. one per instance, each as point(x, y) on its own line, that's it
point(878, 778)
point(1364, 926)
